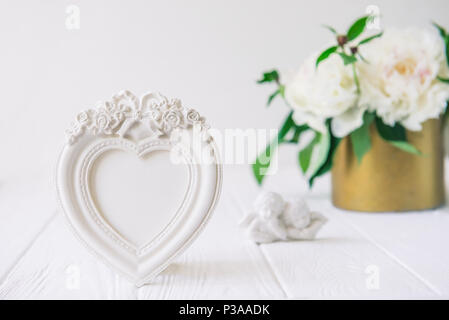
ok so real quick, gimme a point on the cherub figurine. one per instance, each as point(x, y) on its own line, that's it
point(274, 219)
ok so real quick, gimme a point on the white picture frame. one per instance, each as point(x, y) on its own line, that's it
point(138, 180)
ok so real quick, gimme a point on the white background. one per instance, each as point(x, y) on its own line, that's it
point(208, 53)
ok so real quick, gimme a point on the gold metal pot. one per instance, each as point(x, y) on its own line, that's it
point(389, 179)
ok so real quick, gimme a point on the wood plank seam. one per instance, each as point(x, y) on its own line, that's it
point(259, 248)
point(274, 273)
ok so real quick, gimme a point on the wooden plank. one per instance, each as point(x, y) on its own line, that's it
point(27, 206)
point(57, 266)
point(223, 264)
point(219, 265)
point(341, 263)
point(416, 240)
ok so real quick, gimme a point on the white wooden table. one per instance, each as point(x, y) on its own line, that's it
point(356, 255)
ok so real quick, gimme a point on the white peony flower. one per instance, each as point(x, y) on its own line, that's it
point(399, 81)
point(329, 91)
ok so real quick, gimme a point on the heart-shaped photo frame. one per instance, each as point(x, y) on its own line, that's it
point(137, 181)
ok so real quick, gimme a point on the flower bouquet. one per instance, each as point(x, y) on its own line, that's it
point(374, 103)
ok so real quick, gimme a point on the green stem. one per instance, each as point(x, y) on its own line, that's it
point(356, 79)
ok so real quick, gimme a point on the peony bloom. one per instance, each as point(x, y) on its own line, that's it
point(399, 81)
point(329, 91)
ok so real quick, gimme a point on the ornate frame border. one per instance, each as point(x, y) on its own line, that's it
point(107, 127)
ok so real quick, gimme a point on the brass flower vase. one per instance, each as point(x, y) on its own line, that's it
point(389, 179)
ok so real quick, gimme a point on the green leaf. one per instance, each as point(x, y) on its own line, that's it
point(331, 29)
point(288, 124)
point(262, 164)
point(356, 78)
point(269, 77)
point(272, 96)
point(445, 37)
point(405, 146)
point(263, 161)
point(347, 59)
point(357, 28)
point(396, 136)
point(282, 90)
point(443, 80)
point(296, 134)
point(305, 154)
point(441, 30)
point(371, 38)
point(325, 54)
point(395, 133)
point(360, 138)
point(327, 165)
point(320, 153)
point(447, 50)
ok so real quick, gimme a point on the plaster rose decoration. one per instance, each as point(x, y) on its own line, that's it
point(316, 94)
point(400, 81)
point(162, 115)
point(171, 118)
point(83, 118)
point(274, 219)
point(104, 123)
point(193, 116)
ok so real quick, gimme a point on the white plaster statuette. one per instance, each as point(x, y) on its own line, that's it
point(275, 219)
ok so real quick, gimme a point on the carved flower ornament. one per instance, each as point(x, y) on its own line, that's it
point(160, 113)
